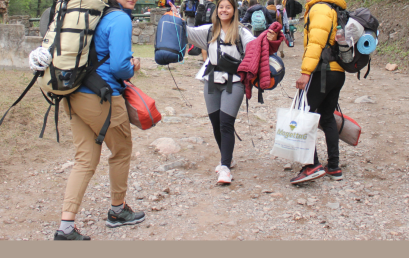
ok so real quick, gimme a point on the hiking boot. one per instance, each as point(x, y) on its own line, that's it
point(282, 54)
point(232, 165)
point(126, 217)
point(334, 173)
point(225, 176)
point(309, 173)
point(73, 235)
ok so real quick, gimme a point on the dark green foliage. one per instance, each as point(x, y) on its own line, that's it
point(34, 8)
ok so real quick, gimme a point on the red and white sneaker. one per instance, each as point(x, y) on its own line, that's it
point(232, 165)
point(225, 175)
point(334, 173)
point(309, 173)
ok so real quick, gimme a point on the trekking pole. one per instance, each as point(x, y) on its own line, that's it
point(183, 96)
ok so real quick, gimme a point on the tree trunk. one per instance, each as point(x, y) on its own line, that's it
point(38, 8)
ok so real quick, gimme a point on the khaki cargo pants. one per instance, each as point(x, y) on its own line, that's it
point(88, 116)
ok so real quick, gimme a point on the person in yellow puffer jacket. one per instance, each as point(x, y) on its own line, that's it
point(322, 21)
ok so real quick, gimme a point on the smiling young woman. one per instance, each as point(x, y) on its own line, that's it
point(223, 91)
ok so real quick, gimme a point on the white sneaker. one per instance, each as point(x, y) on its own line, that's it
point(232, 165)
point(225, 176)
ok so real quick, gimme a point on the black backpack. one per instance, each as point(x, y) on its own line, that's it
point(331, 53)
point(297, 7)
point(243, 10)
point(204, 14)
point(273, 15)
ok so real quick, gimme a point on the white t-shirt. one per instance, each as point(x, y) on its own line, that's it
point(198, 37)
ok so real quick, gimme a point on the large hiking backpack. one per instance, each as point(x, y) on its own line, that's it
point(331, 53)
point(204, 13)
point(200, 13)
point(170, 39)
point(209, 9)
point(277, 72)
point(297, 7)
point(258, 21)
point(69, 40)
point(190, 7)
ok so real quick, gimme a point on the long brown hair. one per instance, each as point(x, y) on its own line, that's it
point(232, 34)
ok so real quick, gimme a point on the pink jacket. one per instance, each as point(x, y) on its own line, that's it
point(256, 60)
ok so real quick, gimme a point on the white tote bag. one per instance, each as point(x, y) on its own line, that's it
point(296, 131)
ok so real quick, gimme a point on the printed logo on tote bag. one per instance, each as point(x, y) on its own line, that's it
point(293, 125)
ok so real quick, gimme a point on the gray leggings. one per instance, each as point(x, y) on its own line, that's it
point(222, 108)
point(228, 103)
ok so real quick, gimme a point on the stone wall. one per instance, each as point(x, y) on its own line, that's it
point(144, 32)
point(24, 19)
point(156, 14)
point(15, 46)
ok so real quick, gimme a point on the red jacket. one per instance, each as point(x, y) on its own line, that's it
point(256, 59)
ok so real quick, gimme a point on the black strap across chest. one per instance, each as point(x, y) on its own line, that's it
point(210, 68)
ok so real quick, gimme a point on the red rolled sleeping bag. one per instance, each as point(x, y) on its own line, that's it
point(141, 108)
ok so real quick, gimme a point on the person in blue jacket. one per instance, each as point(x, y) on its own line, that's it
point(112, 36)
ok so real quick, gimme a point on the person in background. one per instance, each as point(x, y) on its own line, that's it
point(320, 19)
point(272, 9)
point(243, 9)
point(189, 18)
point(253, 7)
point(284, 22)
point(290, 8)
point(209, 4)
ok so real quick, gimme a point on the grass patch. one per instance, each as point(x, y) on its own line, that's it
point(394, 52)
point(143, 51)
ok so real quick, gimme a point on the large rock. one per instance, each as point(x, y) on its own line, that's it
point(136, 31)
point(165, 146)
point(149, 30)
point(391, 67)
point(135, 39)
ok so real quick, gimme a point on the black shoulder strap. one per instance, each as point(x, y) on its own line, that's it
point(369, 68)
point(239, 45)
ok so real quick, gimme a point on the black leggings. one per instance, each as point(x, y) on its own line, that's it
point(325, 104)
point(223, 130)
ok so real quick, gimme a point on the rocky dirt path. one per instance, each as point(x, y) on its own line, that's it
point(178, 191)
